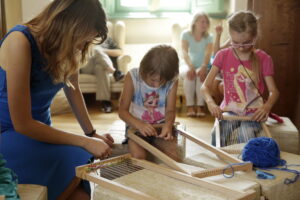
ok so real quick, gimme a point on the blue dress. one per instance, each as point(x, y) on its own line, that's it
point(37, 162)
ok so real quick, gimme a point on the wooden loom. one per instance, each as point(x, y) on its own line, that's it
point(235, 147)
point(105, 174)
point(239, 164)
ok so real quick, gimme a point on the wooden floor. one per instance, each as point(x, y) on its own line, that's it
point(106, 122)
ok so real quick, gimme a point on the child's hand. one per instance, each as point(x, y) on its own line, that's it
point(214, 110)
point(146, 129)
point(166, 132)
point(262, 113)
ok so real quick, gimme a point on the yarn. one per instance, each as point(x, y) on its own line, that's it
point(263, 152)
point(8, 182)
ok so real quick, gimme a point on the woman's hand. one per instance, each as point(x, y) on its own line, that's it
point(214, 110)
point(97, 147)
point(146, 129)
point(106, 138)
point(202, 72)
point(191, 74)
point(166, 132)
point(262, 113)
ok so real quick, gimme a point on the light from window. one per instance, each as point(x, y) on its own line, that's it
point(134, 3)
point(173, 3)
point(167, 5)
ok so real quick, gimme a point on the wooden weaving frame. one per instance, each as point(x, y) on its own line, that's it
point(86, 173)
point(196, 173)
point(235, 118)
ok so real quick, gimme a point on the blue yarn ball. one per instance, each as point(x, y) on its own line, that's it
point(263, 152)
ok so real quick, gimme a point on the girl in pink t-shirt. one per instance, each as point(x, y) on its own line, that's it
point(244, 69)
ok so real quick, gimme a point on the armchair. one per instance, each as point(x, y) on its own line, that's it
point(88, 81)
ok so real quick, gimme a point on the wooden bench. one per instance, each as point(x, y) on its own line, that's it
point(286, 135)
point(32, 192)
point(270, 189)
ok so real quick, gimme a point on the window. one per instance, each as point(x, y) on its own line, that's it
point(160, 8)
point(152, 5)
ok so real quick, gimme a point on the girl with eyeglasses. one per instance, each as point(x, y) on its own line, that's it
point(244, 70)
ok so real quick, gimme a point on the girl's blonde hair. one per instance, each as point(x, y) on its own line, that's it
point(194, 20)
point(246, 21)
point(160, 60)
point(61, 27)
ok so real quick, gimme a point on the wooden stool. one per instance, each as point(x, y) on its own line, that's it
point(286, 135)
point(32, 192)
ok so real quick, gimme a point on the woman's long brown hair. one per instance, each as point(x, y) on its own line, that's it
point(61, 27)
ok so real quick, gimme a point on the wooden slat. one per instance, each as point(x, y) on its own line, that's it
point(217, 171)
point(236, 117)
point(266, 130)
point(228, 192)
point(163, 157)
point(217, 136)
point(209, 147)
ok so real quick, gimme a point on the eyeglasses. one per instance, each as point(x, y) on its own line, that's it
point(236, 46)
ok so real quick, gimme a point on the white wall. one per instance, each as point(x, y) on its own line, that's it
point(30, 8)
point(238, 5)
point(12, 13)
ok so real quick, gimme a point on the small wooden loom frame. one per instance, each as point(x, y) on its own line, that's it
point(87, 172)
point(198, 173)
point(235, 118)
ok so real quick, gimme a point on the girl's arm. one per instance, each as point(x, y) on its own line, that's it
point(170, 113)
point(191, 73)
point(76, 101)
point(185, 54)
point(219, 30)
point(207, 55)
point(217, 43)
point(203, 69)
point(16, 61)
point(124, 105)
point(262, 113)
point(207, 88)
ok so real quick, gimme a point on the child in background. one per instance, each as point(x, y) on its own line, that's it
point(244, 69)
point(149, 97)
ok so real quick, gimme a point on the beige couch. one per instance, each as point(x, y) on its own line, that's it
point(117, 32)
point(176, 32)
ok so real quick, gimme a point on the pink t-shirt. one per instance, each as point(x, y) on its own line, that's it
point(240, 95)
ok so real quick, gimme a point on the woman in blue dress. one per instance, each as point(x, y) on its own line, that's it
point(37, 59)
